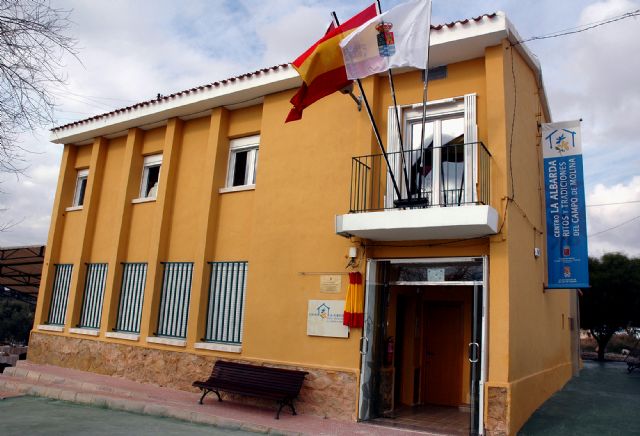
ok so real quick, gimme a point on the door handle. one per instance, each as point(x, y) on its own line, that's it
point(364, 340)
point(474, 352)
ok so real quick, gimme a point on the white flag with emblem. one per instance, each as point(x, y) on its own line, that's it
point(396, 38)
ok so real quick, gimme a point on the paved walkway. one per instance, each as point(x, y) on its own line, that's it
point(124, 395)
point(35, 416)
point(603, 400)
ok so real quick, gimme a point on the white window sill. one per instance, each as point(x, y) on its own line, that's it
point(167, 341)
point(51, 328)
point(143, 200)
point(218, 347)
point(73, 208)
point(237, 189)
point(84, 331)
point(125, 336)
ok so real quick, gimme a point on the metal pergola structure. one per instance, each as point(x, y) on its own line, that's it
point(20, 272)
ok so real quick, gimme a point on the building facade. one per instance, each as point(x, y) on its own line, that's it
point(199, 226)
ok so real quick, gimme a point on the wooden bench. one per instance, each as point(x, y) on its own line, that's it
point(281, 385)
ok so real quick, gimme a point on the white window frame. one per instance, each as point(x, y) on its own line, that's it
point(252, 145)
point(83, 175)
point(154, 160)
point(436, 110)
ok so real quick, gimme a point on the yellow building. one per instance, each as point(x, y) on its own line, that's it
point(198, 226)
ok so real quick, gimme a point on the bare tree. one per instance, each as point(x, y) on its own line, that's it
point(32, 45)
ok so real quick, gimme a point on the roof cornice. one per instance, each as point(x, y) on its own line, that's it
point(450, 43)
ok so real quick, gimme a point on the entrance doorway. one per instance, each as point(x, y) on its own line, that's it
point(422, 344)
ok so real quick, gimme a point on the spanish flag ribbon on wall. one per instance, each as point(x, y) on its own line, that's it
point(354, 304)
point(321, 67)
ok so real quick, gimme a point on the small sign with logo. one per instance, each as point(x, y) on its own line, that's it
point(324, 318)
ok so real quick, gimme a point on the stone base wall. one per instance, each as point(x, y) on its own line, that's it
point(497, 423)
point(325, 393)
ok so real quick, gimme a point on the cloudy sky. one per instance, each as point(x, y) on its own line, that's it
point(132, 50)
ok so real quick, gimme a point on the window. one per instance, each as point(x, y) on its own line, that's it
point(93, 295)
point(225, 311)
point(60, 294)
point(81, 187)
point(150, 176)
point(441, 170)
point(174, 303)
point(243, 161)
point(134, 277)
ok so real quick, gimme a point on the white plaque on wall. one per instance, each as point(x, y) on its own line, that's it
point(324, 318)
point(331, 283)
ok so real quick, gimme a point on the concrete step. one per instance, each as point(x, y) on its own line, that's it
point(35, 377)
point(90, 382)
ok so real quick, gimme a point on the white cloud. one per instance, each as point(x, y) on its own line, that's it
point(625, 238)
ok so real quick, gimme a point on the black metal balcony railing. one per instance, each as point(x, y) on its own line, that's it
point(451, 175)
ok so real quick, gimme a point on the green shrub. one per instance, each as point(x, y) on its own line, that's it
point(16, 320)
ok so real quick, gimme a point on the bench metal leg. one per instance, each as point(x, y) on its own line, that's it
point(204, 394)
point(206, 391)
point(285, 403)
point(293, 409)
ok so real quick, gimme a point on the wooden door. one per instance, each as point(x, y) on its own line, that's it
point(444, 352)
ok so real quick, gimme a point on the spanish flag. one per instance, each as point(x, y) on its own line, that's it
point(321, 67)
point(354, 304)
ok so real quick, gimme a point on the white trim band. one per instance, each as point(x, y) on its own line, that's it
point(125, 336)
point(143, 200)
point(83, 331)
point(237, 189)
point(51, 328)
point(167, 341)
point(213, 346)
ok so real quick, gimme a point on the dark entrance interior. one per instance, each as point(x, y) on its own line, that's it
point(421, 367)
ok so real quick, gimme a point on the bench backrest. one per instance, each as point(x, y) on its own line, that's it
point(259, 377)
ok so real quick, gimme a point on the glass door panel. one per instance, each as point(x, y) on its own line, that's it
point(475, 347)
point(421, 160)
point(371, 342)
point(452, 161)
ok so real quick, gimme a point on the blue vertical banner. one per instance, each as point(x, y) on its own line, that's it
point(567, 254)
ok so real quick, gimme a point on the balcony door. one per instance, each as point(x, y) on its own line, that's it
point(439, 170)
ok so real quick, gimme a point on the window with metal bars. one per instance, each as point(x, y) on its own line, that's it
point(60, 294)
point(93, 295)
point(225, 312)
point(134, 278)
point(174, 303)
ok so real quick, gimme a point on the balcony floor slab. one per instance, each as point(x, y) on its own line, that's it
point(420, 224)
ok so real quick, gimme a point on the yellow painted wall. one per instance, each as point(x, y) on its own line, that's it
point(106, 215)
point(540, 352)
point(182, 237)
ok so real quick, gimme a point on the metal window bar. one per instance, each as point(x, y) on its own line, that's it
point(60, 294)
point(134, 278)
point(225, 311)
point(174, 304)
point(93, 295)
point(368, 187)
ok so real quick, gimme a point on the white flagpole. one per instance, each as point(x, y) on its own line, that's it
point(424, 111)
point(397, 115)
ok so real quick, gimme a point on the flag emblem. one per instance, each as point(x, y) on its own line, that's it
point(386, 46)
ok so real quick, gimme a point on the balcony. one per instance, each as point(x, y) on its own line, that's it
point(434, 193)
